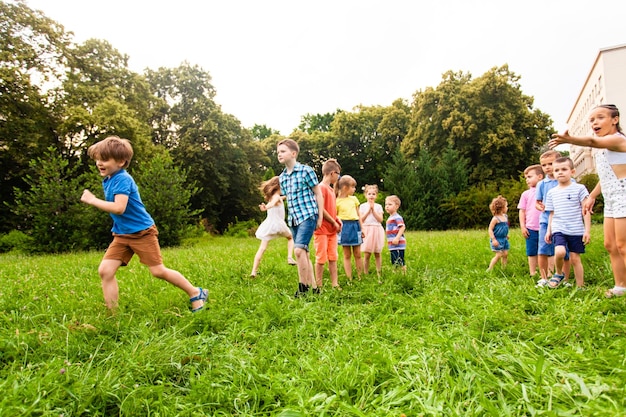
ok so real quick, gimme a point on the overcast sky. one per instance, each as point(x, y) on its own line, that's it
point(273, 61)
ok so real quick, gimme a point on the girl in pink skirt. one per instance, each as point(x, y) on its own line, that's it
point(371, 214)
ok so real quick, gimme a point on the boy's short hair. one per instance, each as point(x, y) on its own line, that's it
point(549, 154)
point(565, 159)
point(537, 168)
point(394, 199)
point(331, 166)
point(291, 144)
point(112, 147)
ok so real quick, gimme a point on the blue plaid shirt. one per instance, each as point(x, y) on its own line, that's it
point(298, 187)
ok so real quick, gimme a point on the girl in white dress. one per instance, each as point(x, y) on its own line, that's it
point(274, 225)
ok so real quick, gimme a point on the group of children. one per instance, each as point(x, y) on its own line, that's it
point(555, 211)
point(554, 216)
point(552, 220)
point(329, 212)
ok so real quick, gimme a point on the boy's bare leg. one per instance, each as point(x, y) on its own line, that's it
point(332, 268)
point(178, 280)
point(110, 289)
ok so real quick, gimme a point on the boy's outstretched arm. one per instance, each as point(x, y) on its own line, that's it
point(116, 207)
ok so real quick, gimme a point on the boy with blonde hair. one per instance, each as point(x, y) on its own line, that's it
point(545, 254)
point(325, 238)
point(529, 216)
point(395, 232)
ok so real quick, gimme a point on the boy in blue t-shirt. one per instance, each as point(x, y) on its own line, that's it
point(134, 231)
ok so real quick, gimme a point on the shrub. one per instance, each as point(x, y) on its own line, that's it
point(241, 229)
point(15, 240)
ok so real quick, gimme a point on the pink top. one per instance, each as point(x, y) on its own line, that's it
point(527, 203)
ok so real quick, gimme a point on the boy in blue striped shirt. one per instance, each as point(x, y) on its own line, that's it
point(568, 228)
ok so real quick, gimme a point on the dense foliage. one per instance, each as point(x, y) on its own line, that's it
point(57, 98)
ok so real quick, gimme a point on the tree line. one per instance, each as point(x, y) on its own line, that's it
point(446, 152)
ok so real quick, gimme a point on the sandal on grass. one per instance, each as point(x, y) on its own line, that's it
point(556, 280)
point(204, 294)
point(614, 292)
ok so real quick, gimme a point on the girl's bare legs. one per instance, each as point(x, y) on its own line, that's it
point(347, 261)
point(110, 289)
point(366, 262)
point(505, 258)
point(615, 244)
point(259, 256)
point(178, 280)
point(356, 251)
point(494, 260)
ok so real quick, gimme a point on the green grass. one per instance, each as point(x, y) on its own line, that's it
point(447, 339)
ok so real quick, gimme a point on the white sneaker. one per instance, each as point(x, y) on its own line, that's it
point(541, 283)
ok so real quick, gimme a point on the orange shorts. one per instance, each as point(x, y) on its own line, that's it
point(145, 244)
point(325, 248)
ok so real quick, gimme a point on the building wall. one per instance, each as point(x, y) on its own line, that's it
point(605, 84)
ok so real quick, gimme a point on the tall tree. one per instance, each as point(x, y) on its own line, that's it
point(488, 120)
point(221, 157)
point(32, 54)
point(101, 96)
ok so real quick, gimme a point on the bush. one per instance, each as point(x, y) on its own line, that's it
point(241, 229)
point(15, 240)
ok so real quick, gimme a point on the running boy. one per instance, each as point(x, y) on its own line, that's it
point(304, 205)
point(325, 238)
point(568, 228)
point(133, 229)
point(395, 232)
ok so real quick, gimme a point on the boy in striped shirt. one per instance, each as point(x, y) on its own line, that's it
point(395, 232)
point(568, 228)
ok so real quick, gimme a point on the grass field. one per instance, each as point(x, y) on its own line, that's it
point(447, 339)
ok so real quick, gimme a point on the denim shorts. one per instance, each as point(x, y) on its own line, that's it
point(303, 233)
point(397, 257)
point(546, 249)
point(532, 243)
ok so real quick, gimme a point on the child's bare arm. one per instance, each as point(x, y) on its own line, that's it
point(319, 198)
point(118, 206)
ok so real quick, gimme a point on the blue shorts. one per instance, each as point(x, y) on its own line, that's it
point(532, 243)
point(572, 243)
point(303, 233)
point(546, 249)
point(397, 257)
point(350, 234)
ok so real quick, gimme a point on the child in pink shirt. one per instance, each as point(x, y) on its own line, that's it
point(529, 216)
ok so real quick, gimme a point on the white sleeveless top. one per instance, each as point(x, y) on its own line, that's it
point(614, 157)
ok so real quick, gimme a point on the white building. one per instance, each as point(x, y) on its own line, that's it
point(605, 84)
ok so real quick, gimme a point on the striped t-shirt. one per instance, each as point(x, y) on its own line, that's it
point(393, 225)
point(566, 203)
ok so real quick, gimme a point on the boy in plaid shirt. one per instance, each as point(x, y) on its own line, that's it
point(304, 205)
